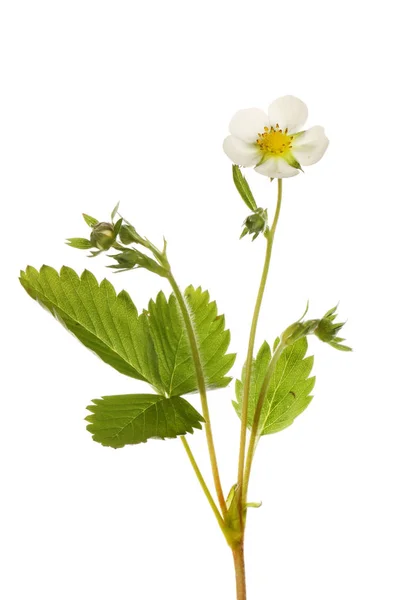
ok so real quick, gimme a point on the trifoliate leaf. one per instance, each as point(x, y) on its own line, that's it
point(289, 390)
point(176, 366)
point(134, 418)
point(80, 243)
point(103, 321)
point(243, 188)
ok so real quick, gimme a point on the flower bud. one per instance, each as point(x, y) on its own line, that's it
point(256, 223)
point(298, 330)
point(326, 330)
point(131, 258)
point(103, 236)
point(128, 235)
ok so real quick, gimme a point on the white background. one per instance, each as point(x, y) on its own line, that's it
point(130, 101)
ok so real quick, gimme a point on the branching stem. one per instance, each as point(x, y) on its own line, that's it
point(202, 391)
point(256, 420)
point(249, 358)
point(203, 485)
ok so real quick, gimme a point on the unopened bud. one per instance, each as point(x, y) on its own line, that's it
point(298, 330)
point(128, 235)
point(256, 223)
point(327, 331)
point(103, 236)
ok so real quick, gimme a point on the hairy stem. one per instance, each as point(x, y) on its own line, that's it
point(240, 575)
point(203, 485)
point(256, 420)
point(249, 358)
point(202, 391)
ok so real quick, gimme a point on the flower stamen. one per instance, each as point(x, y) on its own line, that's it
point(275, 141)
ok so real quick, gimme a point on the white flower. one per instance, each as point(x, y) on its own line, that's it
point(274, 144)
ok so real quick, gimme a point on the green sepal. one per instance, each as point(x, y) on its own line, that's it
point(292, 161)
point(135, 418)
point(91, 222)
point(339, 346)
point(103, 236)
point(113, 213)
point(131, 258)
point(325, 329)
point(80, 243)
point(243, 188)
point(117, 226)
point(256, 223)
point(128, 235)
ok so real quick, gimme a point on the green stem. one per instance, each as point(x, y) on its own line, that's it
point(249, 358)
point(202, 391)
point(256, 420)
point(203, 485)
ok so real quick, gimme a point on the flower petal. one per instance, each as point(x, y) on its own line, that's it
point(288, 111)
point(246, 124)
point(276, 168)
point(241, 153)
point(310, 146)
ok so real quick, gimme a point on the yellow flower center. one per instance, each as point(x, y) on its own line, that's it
point(274, 140)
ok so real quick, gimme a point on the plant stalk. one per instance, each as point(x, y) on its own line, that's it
point(249, 358)
point(256, 420)
point(203, 485)
point(240, 574)
point(202, 391)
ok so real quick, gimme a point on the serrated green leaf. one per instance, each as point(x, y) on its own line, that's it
point(80, 243)
point(176, 367)
point(289, 390)
point(243, 187)
point(91, 221)
point(134, 418)
point(103, 321)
